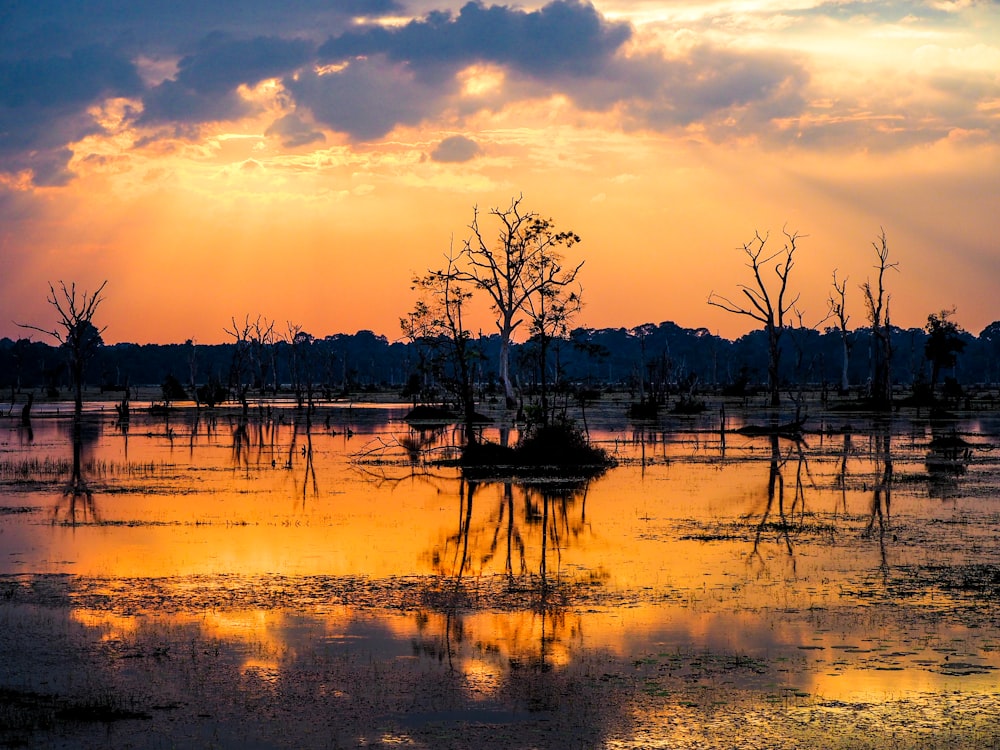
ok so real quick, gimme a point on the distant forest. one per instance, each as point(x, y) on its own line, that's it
point(644, 358)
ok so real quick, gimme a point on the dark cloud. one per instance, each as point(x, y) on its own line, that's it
point(456, 149)
point(175, 104)
point(60, 81)
point(565, 36)
point(204, 88)
point(566, 47)
point(45, 27)
point(43, 104)
point(221, 63)
point(403, 75)
point(58, 58)
point(49, 167)
point(368, 98)
point(294, 132)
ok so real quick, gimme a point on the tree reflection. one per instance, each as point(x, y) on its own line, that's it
point(947, 459)
point(778, 515)
point(77, 494)
point(841, 479)
point(523, 526)
point(881, 502)
point(508, 554)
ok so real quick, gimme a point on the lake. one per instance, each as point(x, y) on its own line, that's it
point(191, 580)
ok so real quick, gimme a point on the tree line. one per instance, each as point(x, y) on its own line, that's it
point(516, 260)
point(649, 356)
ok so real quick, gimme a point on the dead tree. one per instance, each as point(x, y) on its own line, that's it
point(503, 269)
point(877, 306)
point(838, 309)
point(766, 306)
point(263, 340)
point(239, 366)
point(549, 310)
point(437, 323)
point(75, 331)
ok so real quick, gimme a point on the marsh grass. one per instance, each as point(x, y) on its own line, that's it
point(34, 469)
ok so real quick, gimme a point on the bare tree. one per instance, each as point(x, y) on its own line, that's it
point(765, 305)
point(549, 309)
point(507, 270)
point(263, 339)
point(239, 366)
point(877, 306)
point(254, 359)
point(75, 330)
point(301, 366)
point(838, 309)
point(436, 321)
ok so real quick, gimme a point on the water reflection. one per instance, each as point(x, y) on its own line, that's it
point(77, 504)
point(524, 525)
point(947, 460)
point(285, 679)
point(526, 529)
point(881, 499)
point(778, 515)
point(447, 602)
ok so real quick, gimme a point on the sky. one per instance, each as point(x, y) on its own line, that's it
point(302, 160)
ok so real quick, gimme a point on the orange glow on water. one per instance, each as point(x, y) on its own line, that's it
point(678, 556)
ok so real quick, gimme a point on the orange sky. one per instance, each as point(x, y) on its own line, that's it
point(312, 169)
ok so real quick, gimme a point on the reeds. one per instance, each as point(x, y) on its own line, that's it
point(35, 468)
point(48, 468)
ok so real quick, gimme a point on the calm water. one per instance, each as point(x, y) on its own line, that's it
point(700, 582)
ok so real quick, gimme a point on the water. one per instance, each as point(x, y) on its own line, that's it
point(333, 584)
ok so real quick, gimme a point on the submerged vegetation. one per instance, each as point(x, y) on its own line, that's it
point(556, 448)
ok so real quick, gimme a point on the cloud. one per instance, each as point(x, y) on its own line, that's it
point(455, 149)
point(294, 132)
point(184, 63)
point(220, 62)
point(43, 103)
point(61, 81)
point(204, 88)
point(169, 27)
point(368, 98)
point(565, 47)
point(59, 58)
point(563, 37)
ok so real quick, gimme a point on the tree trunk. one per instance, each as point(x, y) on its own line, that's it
point(773, 361)
point(881, 376)
point(77, 388)
point(844, 381)
point(510, 395)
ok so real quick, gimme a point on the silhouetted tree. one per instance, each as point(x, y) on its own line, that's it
point(838, 309)
point(944, 343)
point(239, 366)
point(436, 321)
point(507, 270)
point(990, 338)
point(262, 348)
point(300, 364)
point(767, 306)
point(550, 308)
point(75, 331)
point(877, 304)
point(172, 390)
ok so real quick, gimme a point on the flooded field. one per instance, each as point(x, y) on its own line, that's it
point(196, 581)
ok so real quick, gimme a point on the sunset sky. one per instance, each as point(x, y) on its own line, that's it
point(302, 159)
